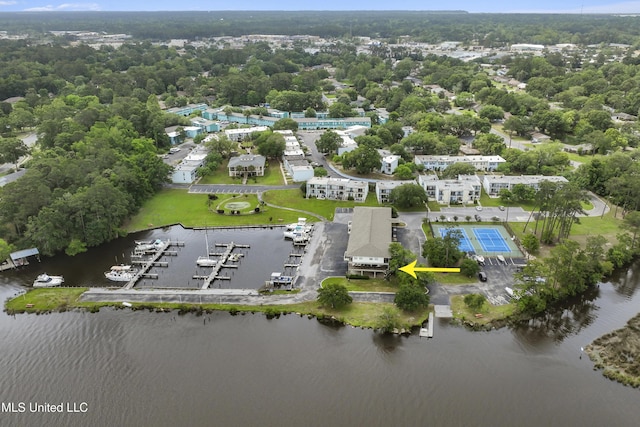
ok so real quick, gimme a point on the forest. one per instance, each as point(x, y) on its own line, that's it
point(490, 30)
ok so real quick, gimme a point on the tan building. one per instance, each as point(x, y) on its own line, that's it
point(370, 235)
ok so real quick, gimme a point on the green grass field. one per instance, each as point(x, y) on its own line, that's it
point(172, 206)
point(368, 285)
point(364, 315)
point(293, 198)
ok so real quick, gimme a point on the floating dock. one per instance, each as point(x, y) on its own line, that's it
point(428, 331)
point(222, 263)
point(146, 265)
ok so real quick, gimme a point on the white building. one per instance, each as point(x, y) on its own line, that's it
point(243, 133)
point(186, 171)
point(384, 188)
point(369, 240)
point(337, 189)
point(439, 163)
point(493, 184)
point(348, 144)
point(463, 190)
point(389, 164)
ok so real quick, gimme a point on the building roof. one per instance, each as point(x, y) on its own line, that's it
point(24, 253)
point(247, 160)
point(370, 233)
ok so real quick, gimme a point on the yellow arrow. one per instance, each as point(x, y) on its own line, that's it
point(411, 269)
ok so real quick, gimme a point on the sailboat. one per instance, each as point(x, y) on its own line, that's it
point(206, 261)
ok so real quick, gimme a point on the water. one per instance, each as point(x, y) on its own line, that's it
point(141, 368)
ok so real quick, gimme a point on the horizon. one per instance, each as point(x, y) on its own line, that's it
point(466, 6)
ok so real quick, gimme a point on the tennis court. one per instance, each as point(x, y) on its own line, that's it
point(491, 240)
point(465, 242)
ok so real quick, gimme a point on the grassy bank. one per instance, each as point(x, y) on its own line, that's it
point(368, 285)
point(293, 198)
point(487, 315)
point(172, 206)
point(357, 314)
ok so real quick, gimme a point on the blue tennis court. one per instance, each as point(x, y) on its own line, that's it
point(491, 240)
point(465, 242)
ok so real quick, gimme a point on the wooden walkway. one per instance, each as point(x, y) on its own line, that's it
point(151, 262)
point(224, 257)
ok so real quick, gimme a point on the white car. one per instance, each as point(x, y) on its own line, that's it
point(174, 150)
point(478, 208)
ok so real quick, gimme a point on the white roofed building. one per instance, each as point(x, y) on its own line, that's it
point(494, 183)
point(337, 189)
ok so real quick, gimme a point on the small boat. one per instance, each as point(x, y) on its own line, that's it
point(142, 246)
point(234, 257)
point(46, 281)
point(120, 273)
point(509, 291)
point(205, 261)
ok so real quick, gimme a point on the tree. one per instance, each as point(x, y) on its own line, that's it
point(364, 159)
point(320, 171)
point(491, 112)
point(329, 142)
point(443, 251)
point(408, 195)
point(389, 320)
point(632, 223)
point(475, 301)
point(469, 267)
point(5, 250)
point(403, 172)
point(489, 144)
point(11, 149)
point(531, 243)
point(286, 123)
point(334, 295)
point(452, 171)
point(273, 146)
point(411, 297)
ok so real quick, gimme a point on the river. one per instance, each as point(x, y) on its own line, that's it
point(125, 368)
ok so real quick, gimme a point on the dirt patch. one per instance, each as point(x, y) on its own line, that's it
point(618, 353)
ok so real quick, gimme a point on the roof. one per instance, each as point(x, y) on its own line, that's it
point(24, 253)
point(247, 160)
point(370, 232)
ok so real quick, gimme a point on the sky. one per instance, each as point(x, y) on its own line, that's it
point(475, 6)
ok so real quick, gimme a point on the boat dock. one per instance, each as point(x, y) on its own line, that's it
point(223, 263)
point(146, 265)
point(428, 331)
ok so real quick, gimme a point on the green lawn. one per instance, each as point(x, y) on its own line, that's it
point(172, 206)
point(487, 314)
point(293, 198)
point(368, 285)
point(356, 314)
point(272, 176)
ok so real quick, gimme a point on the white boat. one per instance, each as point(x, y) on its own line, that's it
point(148, 246)
point(120, 273)
point(509, 291)
point(46, 281)
point(206, 261)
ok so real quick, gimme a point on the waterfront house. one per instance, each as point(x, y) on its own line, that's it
point(370, 235)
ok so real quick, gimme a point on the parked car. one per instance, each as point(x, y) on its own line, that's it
point(174, 150)
point(501, 208)
point(482, 276)
point(478, 208)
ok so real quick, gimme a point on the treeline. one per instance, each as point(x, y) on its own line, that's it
point(93, 170)
point(491, 30)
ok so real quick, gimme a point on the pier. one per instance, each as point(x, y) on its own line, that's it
point(146, 265)
point(428, 331)
point(224, 257)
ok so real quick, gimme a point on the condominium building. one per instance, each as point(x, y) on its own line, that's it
point(494, 183)
point(337, 189)
point(439, 163)
point(384, 188)
point(465, 189)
